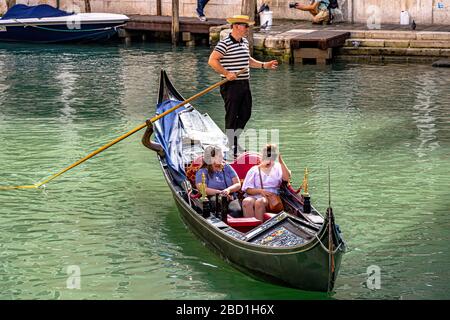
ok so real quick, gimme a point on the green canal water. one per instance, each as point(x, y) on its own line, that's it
point(383, 130)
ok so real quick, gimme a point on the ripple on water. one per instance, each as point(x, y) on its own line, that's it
point(382, 129)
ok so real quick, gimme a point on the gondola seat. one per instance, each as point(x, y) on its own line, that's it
point(243, 224)
point(269, 215)
point(241, 165)
point(245, 162)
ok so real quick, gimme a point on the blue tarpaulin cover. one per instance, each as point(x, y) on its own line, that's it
point(21, 11)
point(169, 135)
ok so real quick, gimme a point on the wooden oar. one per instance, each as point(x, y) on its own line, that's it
point(126, 135)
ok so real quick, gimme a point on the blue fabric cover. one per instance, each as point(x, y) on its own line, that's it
point(168, 131)
point(21, 11)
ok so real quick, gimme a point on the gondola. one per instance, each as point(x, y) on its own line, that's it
point(297, 247)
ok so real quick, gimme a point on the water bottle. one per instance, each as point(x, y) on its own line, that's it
point(404, 18)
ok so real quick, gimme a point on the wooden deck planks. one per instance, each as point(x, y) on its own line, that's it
point(163, 23)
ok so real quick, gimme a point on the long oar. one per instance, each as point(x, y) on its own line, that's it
point(126, 135)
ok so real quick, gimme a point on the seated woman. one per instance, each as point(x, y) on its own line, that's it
point(221, 179)
point(262, 180)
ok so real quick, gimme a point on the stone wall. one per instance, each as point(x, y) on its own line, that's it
point(441, 15)
point(143, 7)
point(388, 11)
point(214, 8)
point(422, 11)
point(2, 7)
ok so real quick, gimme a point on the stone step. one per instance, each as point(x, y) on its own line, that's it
point(387, 51)
point(390, 43)
point(401, 35)
point(377, 59)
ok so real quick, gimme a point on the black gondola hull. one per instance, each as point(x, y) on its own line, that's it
point(305, 266)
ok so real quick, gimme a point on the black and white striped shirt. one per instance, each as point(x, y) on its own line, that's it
point(236, 55)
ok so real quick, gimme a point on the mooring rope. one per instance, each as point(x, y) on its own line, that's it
point(326, 249)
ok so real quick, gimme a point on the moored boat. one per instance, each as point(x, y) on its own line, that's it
point(46, 24)
point(297, 247)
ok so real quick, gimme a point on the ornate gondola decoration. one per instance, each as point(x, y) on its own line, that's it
point(297, 248)
point(306, 196)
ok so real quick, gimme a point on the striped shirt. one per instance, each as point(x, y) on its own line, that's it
point(236, 55)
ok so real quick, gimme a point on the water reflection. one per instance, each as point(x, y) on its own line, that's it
point(423, 115)
point(3, 83)
point(67, 81)
point(38, 75)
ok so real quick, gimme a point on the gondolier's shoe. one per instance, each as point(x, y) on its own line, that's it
point(201, 17)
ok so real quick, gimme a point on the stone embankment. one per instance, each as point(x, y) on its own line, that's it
point(391, 43)
point(396, 45)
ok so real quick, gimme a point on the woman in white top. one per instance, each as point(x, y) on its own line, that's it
point(272, 175)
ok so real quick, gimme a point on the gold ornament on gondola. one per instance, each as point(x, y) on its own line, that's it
point(305, 183)
point(203, 188)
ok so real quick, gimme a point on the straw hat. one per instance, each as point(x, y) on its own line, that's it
point(240, 19)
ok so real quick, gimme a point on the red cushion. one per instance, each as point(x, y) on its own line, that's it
point(196, 195)
point(244, 162)
point(269, 215)
point(243, 222)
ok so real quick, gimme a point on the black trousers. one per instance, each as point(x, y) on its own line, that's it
point(238, 109)
point(238, 103)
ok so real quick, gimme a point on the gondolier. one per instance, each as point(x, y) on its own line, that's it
point(229, 56)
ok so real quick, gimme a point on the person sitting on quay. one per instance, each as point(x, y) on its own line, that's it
point(318, 9)
point(263, 179)
point(221, 179)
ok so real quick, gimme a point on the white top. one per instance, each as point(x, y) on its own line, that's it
point(271, 181)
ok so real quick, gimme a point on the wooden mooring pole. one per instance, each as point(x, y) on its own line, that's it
point(158, 7)
point(87, 5)
point(175, 22)
point(10, 3)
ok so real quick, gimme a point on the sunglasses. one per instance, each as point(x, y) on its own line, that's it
point(243, 24)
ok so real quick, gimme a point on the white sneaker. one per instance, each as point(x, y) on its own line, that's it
point(202, 18)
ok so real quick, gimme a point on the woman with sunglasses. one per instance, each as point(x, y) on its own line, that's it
point(263, 179)
point(221, 179)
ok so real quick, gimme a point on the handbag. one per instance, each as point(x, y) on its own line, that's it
point(274, 203)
